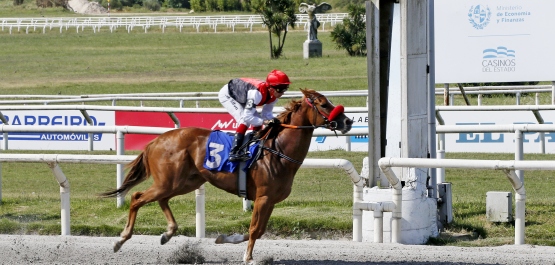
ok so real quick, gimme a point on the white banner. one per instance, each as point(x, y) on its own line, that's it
point(494, 40)
point(496, 142)
point(58, 141)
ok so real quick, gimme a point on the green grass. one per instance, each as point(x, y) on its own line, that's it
point(86, 63)
point(82, 63)
point(469, 188)
point(319, 206)
point(321, 201)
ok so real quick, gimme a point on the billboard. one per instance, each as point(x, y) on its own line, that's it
point(496, 142)
point(455, 142)
point(224, 122)
point(58, 141)
point(479, 41)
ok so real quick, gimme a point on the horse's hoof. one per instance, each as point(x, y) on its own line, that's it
point(117, 246)
point(164, 239)
point(220, 239)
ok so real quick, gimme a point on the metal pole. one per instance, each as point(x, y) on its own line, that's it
point(441, 155)
point(373, 61)
point(200, 213)
point(120, 200)
point(64, 196)
point(519, 153)
point(431, 98)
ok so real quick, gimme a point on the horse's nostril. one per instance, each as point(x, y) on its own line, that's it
point(349, 121)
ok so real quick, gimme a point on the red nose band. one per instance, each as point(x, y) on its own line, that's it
point(336, 110)
point(339, 109)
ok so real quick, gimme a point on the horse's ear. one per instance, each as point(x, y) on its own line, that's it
point(308, 95)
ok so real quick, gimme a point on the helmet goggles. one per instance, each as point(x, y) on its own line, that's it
point(281, 88)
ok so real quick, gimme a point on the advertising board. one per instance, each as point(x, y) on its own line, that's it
point(496, 142)
point(479, 41)
point(58, 141)
point(224, 122)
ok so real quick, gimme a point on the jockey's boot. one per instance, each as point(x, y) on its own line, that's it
point(237, 154)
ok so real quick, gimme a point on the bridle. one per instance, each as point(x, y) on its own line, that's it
point(329, 122)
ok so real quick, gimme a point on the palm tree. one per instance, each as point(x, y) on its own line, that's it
point(277, 15)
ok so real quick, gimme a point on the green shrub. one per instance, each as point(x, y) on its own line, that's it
point(197, 5)
point(131, 3)
point(351, 35)
point(152, 5)
point(50, 3)
point(210, 5)
point(114, 4)
point(177, 3)
point(244, 5)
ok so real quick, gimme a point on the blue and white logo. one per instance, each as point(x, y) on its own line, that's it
point(479, 16)
point(500, 52)
point(500, 59)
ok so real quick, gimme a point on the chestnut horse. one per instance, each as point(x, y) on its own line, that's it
point(175, 162)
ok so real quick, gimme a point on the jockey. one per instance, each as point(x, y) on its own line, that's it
point(241, 96)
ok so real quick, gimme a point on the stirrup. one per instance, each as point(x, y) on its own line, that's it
point(239, 157)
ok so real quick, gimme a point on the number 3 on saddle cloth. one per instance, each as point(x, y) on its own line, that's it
point(218, 147)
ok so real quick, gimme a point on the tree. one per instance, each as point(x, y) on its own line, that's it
point(351, 35)
point(277, 15)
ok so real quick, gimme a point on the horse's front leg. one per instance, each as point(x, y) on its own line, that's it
point(260, 216)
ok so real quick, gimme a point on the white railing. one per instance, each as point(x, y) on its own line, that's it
point(181, 98)
point(491, 90)
point(147, 22)
point(52, 160)
point(507, 166)
point(120, 132)
point(207, 96)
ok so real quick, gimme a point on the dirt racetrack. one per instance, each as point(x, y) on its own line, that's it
point(17, 249)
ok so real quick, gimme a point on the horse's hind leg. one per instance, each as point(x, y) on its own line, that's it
point(172, 225)
point(138, 199)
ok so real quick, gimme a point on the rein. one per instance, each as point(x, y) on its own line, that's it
point(329, 124)
point(261, 144)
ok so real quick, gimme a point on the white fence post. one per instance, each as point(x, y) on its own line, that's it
point(200, 214)
point(64, 196)
point(519, 152)
point(120, 200)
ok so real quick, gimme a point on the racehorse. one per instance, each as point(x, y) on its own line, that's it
point(175, 162)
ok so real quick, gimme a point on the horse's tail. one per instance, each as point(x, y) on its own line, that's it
point(138, 172)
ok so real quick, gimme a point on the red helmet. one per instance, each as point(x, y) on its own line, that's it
point(277, 77)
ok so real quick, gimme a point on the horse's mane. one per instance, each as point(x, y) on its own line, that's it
point(285, 117)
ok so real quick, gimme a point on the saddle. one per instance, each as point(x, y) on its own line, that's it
point(217, 156)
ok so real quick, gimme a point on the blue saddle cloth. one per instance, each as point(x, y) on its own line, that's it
point(218, 147)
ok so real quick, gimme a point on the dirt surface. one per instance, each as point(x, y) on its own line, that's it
point(17, 249)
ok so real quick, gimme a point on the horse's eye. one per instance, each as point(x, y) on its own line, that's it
point(325, 105)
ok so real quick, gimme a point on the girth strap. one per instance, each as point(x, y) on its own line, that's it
point(282, 155)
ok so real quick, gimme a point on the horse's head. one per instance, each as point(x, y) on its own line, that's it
point(324, 113)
